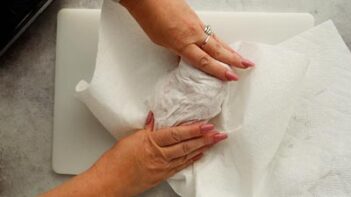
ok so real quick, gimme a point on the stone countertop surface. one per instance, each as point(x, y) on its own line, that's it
point(27, 88)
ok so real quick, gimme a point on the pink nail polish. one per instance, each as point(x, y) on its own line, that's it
point(206, 127)
point(247, 63)
point(149, 118)
point(231, 76)
point(219, 137)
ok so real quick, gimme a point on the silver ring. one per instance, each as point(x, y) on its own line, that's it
point(208, 31)
point(206, 40)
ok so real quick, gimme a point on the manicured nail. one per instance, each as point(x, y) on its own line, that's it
point(206, 127)
point(149, 118)
point(219, 137)
point(231, 76)
point(247, 63)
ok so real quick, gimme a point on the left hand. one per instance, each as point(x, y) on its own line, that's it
point(142, 160)
point(145, 158)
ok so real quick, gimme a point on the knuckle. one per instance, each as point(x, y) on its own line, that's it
point(192, 29)
point(217, 53)
point(204, 62)
point(174, 132)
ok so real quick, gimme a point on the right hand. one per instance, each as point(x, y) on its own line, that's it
point(174, 25)
point(145, 158)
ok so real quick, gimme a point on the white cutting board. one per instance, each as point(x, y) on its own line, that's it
point(79, 139)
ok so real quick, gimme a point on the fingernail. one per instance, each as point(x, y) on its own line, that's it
point(149, 118)
point(219, 137)
point(231, 76)
point(206, 127)
point(247, 63)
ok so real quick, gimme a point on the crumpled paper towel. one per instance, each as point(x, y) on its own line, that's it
point(186, 95)
point(256, 112)
point(264, 94)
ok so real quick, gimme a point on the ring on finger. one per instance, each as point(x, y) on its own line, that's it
point(208, 31)
point(205, 41)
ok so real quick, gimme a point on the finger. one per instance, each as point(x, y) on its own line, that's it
point(174, 135)
point(180, 161)
point(203, 61)
point(244, 61)
point(149, 123)
point(218, 51)
point(187, 147)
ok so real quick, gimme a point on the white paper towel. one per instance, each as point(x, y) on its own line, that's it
point(186, 95)
point(121, 81)
point(258, 109)
point(256, 114)
point(315, 156)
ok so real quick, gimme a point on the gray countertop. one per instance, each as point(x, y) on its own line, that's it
point(27, 89)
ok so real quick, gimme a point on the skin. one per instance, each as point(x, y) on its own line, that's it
point(174, 25)
point(142, 160)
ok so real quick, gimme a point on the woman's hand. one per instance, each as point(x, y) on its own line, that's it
point(174, 25)
point(148, 157)
point(143, 160)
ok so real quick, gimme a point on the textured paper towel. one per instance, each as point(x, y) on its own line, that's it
point(122, 80)
point(315, 156)
point(256, 111)
point(186, 95)
point(313, 159)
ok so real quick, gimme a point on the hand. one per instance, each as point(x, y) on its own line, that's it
point(148, 157)
point(174, 25)
point(142, 160)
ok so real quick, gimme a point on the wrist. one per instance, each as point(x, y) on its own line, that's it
point(111, 176)
point(107, 184)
